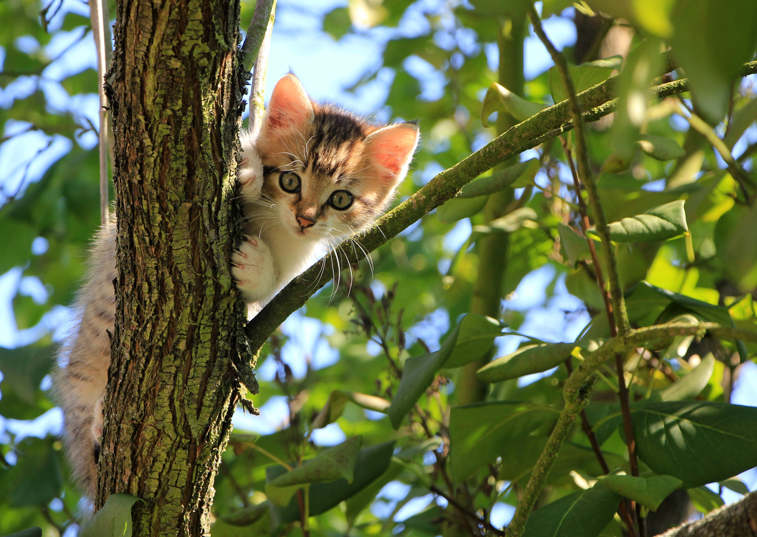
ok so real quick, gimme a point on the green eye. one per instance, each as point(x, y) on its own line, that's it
point(341, 199)
point(290, 182)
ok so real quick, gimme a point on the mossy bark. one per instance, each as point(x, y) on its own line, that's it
point(172, 391)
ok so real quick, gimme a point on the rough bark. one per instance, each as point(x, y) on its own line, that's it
point(738, 519)
point(172, 390)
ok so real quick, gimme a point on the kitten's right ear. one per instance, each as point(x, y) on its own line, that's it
point(290, 106)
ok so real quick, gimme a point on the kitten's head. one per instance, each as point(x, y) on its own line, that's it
point(329, 172)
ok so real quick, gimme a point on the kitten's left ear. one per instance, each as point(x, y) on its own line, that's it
point(392, 148)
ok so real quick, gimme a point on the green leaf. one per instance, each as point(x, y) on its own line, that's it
point(581, 514)
point(371, 463)
point(331, 411)
point(736, 247)
point(512, 9)
point(648, 491)
point(742, 119)
point(658, 224)
point(511, 222)
point(477, 334)
point(519, 456)
point(19, 250)
point(247, 516)
point(36, 477)
point(705, 500)
point(660, 147)
point(500, 180)
point(31, 532)
point(334, 463)
point(698, 442)
point(470, 340)
point(654, 302)
point(428, 521)
point(475, 338)
point(736, 485)
point(584, 76)
point(337, 22)
point(114, 519)
point(575, 246)
point(478, 432)
point(262, 526)
point(709, 56)
point(363, 498)
point(24, 368)
point(459, 208)
point(526, 361)
point(693, 383)
point(500, 99)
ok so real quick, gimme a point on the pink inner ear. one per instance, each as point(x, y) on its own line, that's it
point(290, 106)
point(393, 147)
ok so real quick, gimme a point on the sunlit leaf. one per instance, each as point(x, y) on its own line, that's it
point(334, 463)
point(500, 180)
point(113, 520)
point(648, 491)
point(581, 514)
point(459, 208)
point(692, 384)
point(526, 361)
point(371, 463)
point(658, 224)
point(696, 441)
point(478, 432)
point(475, 338)
point(584, 76)
point(660, 147)
point(500, 99)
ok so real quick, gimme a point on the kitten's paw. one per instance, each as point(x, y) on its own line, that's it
point(97, 422)
point(250, 172)
point(253, 269)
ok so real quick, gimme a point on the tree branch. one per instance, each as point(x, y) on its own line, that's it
point(541, 127)
point(262, 22)
point(738, 519)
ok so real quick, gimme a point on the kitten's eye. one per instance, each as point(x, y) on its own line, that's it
point(341, 199)
point(290, 182)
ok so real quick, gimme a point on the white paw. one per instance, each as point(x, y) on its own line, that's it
point(97, 422)
point(253, 269)
point(250, 172)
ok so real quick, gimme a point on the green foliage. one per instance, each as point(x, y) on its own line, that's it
point(113, 520)
point(581, 514)
point(649, 492)
point(681, 225)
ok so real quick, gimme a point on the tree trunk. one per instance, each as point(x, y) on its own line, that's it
point(171, 394)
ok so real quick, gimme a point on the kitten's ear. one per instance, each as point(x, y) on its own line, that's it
point(290, 106)
point(391, 149)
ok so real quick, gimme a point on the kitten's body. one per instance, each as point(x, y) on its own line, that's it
point(314, 175)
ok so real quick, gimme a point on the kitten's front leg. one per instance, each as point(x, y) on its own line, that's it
point(253, 269)
point(250, 172)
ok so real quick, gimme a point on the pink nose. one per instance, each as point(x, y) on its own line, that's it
point(304, 222)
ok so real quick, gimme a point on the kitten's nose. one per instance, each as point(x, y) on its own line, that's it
point(305, 222)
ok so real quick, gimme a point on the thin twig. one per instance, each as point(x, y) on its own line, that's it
point(465, 511)
point(262, 20)
point(99, 19)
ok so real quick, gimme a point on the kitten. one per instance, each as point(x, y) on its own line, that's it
point(314, 175)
